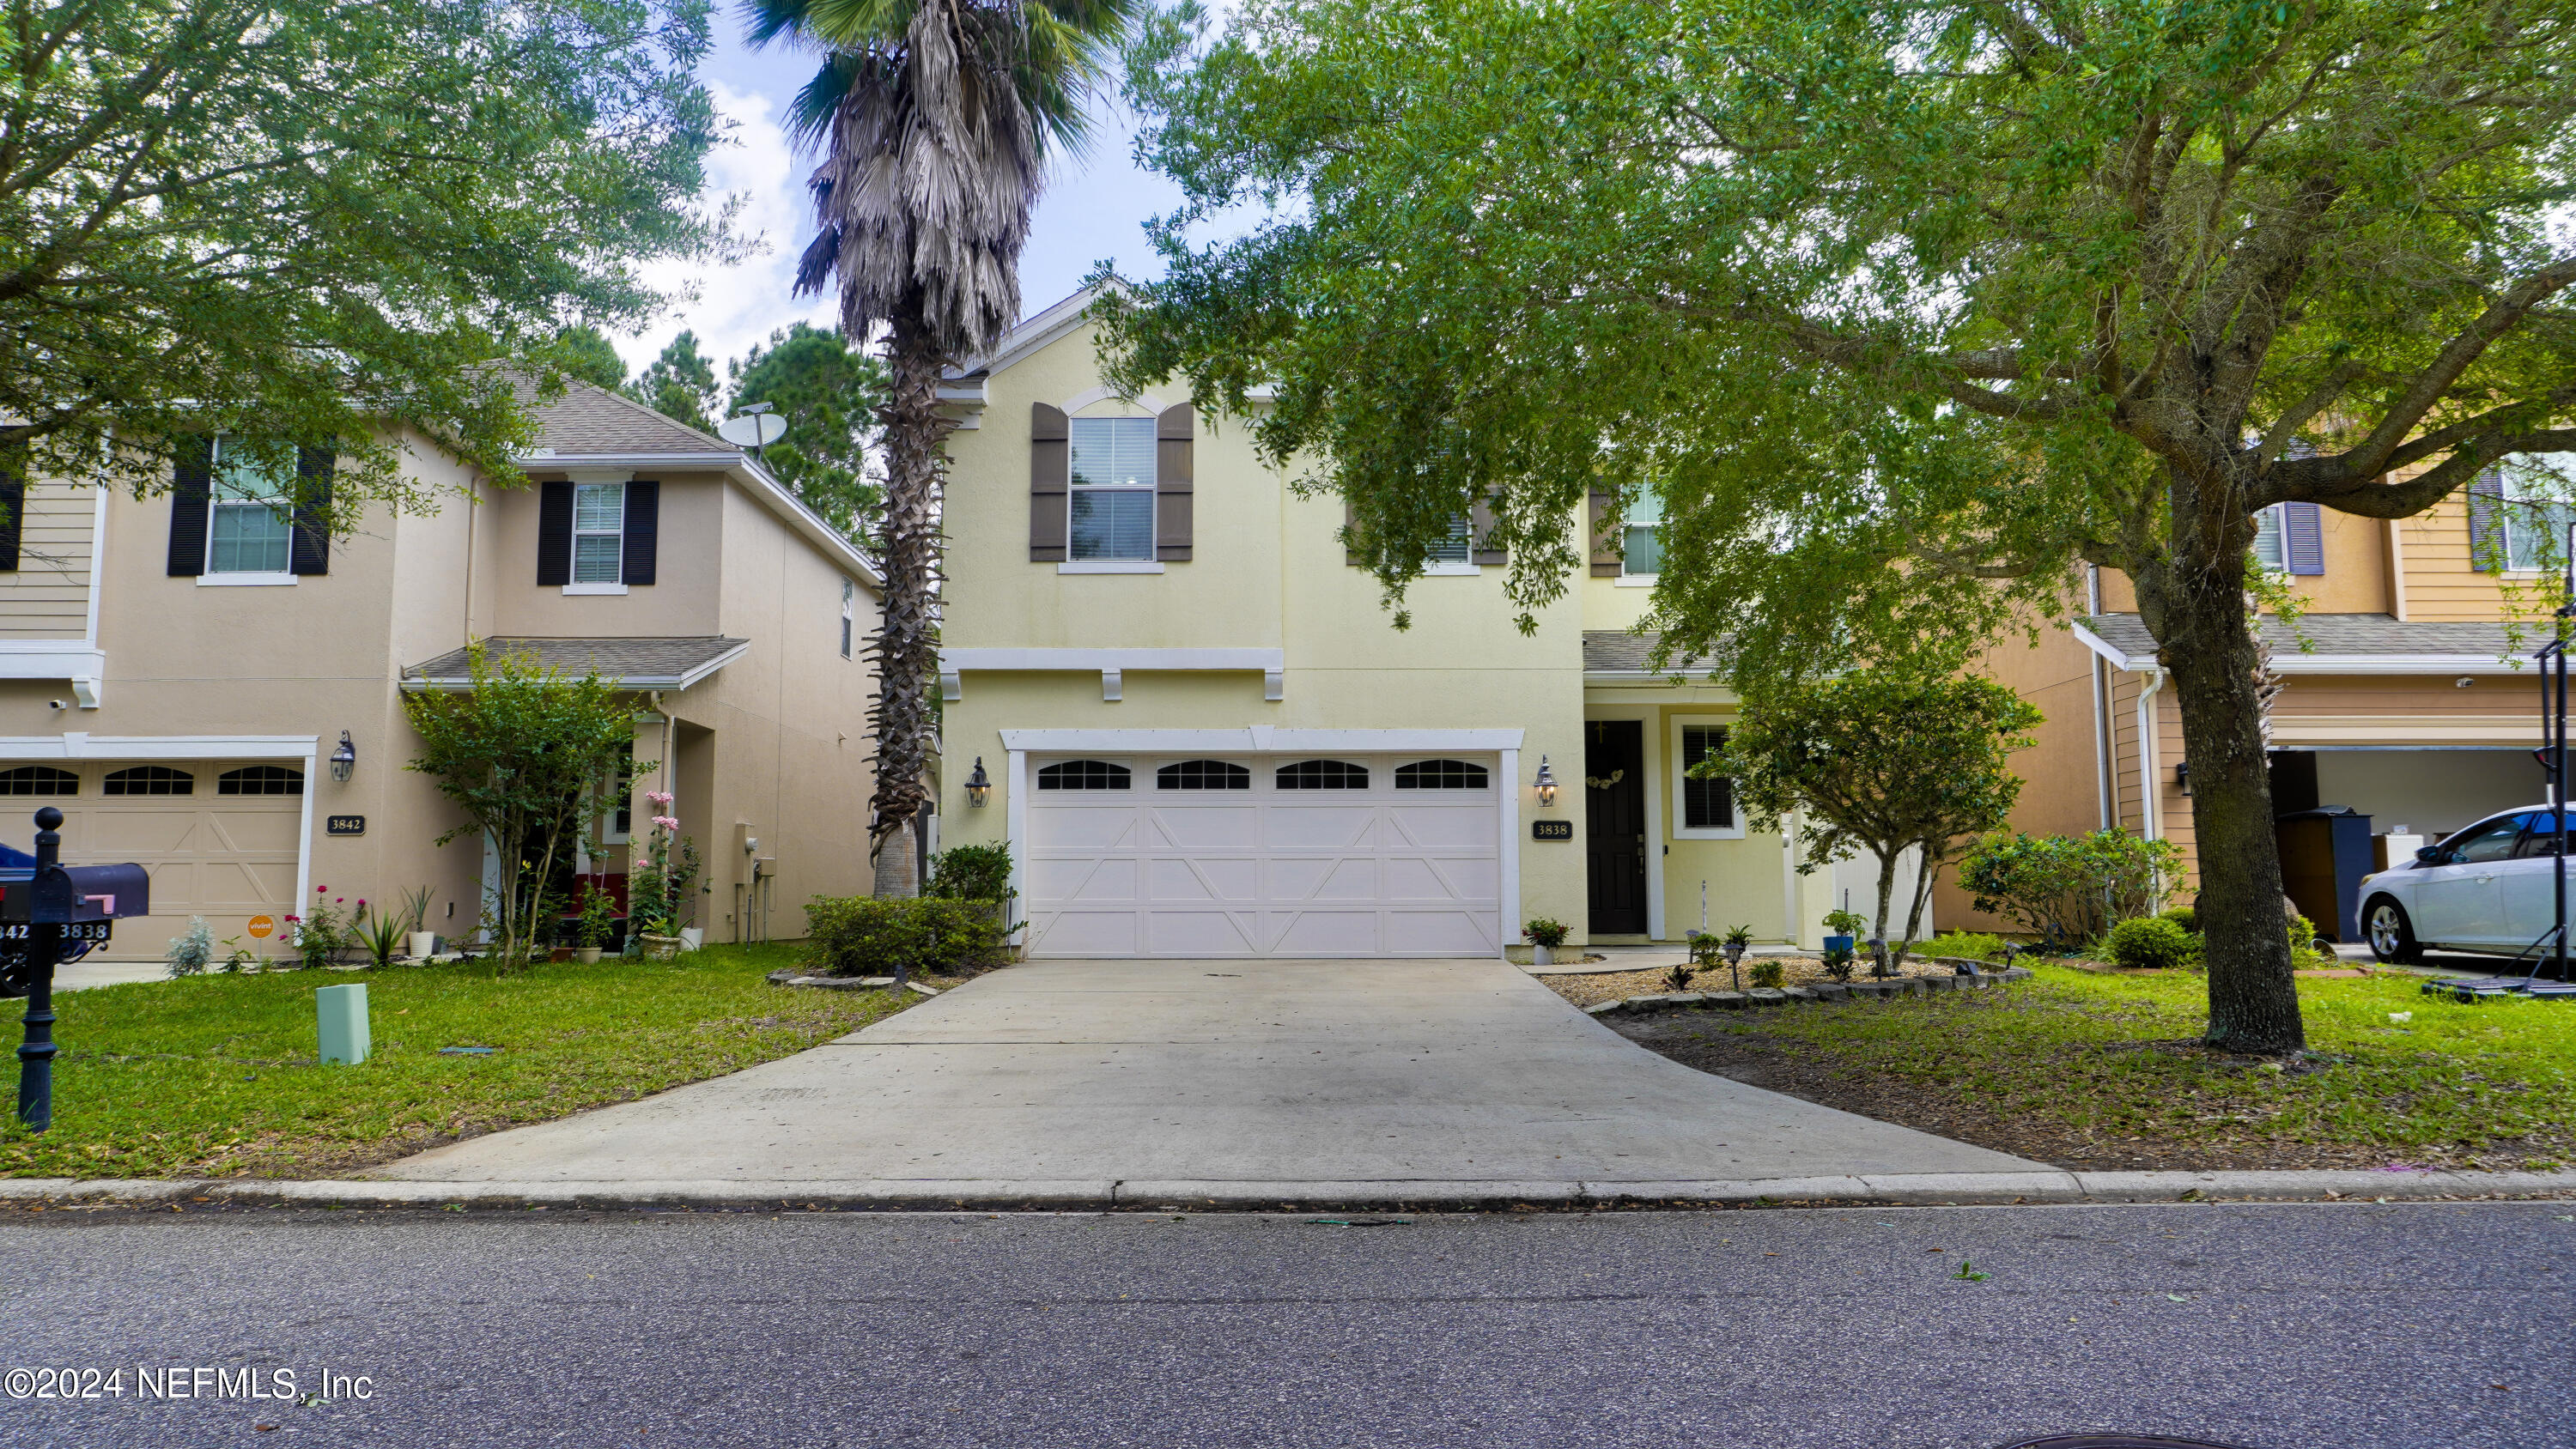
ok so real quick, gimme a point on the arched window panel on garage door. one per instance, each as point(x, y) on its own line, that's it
point(1083, 775)
point(1203, 775)
point(1323, 775)
point(261, 780)
point(1441, 775)
point(150, 780)
point(38, 780)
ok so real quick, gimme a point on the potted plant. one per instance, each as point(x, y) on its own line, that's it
point(1842, 929)
point(422, 941)
point(597, 923)
point(1545, 935)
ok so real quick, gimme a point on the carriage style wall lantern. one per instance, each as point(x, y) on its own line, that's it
point(1546, 783)
point(344, 760)
point(979, 786)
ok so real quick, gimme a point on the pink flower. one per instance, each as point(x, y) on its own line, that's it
point(293, 917)
point(317, 890)
point(666, 822)
point(658, 797)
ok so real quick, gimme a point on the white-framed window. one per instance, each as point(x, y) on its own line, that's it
point(250, 520)
point(1702, 809)
point(598, 534)
point(1455, 551)
point(849, 615)
point(2537, 510)
point(2272, 539)
point(1112, 492)
point(1641, 541)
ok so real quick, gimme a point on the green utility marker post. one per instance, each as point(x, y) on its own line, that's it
point(342, 1019)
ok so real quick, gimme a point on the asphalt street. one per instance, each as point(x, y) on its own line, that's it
point(2282, 1327)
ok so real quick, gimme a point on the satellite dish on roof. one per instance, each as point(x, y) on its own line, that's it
point(753, 429)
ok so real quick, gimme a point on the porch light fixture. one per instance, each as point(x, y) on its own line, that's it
point(2182, 778)
point(344, 760)
point(979, 786)
point(1546, 784)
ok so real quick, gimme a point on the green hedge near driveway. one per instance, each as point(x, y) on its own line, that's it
point(214, 1076)
point(2099, 1070)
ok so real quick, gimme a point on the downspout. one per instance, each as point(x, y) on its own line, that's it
point(2096, 675)
point(2151, 817)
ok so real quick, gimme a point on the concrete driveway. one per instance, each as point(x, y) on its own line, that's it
point(1161, 1076)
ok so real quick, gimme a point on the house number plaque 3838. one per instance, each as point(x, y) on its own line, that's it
point(1551, 830)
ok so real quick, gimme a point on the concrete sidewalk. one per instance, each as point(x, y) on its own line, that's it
point(1292, 1080)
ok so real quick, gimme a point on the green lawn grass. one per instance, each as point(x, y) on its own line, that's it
point(2111, 1059)
point(215, 1076)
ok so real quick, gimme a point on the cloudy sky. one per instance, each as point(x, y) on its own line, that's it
point(1092, 211)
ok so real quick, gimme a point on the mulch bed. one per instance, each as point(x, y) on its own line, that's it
point(1758, 1060)
point(1594, 987)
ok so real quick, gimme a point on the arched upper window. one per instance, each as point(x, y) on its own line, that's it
point(260, 780)
point(1323, 775)
point(38, 780)
point(1083, 775)
point(1440, 775)
point(150, 780)
point(1203, 775)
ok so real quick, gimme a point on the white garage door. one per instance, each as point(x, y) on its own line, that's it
point(1263, 855)
point(219, 838)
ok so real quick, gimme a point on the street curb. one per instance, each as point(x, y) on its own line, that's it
point(1931, 1189)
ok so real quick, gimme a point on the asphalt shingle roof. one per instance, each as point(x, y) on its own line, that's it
point(636, 663)
point(590, 420)
point(2331, 634)
point(1616, 651)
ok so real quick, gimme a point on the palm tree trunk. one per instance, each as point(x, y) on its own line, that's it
point(907, 637)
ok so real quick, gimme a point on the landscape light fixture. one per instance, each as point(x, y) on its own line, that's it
point(1546, 784)
point(2182, 778)
point(344, 760)
point(979, 786)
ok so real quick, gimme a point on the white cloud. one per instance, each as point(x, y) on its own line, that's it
point(737, 306)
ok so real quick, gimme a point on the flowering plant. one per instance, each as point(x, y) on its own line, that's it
point(657, 886)
point(321, 931)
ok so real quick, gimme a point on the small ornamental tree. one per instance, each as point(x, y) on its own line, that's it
point(522, 752)
point(1884, 763)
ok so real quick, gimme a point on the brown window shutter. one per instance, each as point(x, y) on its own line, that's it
point(1480, 523)
point(1173, 459)
point(13, 498)
point(1609, 537)
point(1050, 475)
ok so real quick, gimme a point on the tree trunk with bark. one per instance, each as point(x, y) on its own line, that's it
point(2194, 602)
point(905, 646)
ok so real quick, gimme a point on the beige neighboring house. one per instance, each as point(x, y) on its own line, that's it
point(177, 672)
point(2405, 698)
point(1201, 734)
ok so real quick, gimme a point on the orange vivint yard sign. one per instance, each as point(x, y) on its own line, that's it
point(262, 927)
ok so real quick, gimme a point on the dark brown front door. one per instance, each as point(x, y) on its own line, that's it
point(1614, 796)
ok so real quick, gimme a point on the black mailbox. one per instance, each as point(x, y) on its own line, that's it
point(75, 893)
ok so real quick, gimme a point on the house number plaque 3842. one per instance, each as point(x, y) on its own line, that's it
point(344, 825)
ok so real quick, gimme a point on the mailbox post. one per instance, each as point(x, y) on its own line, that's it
point(38, 912)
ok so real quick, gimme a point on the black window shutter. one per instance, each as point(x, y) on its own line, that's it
point(2303, 538)
point(2486, 503)
point(13, 498)
point(554, 534)
point(191, 481)
point(643, 527)
point(309, 551)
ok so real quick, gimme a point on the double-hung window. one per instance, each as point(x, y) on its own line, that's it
point(849, 615)
point(1641, 543)
point(598, 533)
point(249, 521)
point(2537, 510)
point(1703, 806)
point(2271, 540)
point(1112, 490)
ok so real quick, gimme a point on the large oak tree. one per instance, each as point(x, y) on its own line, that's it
point(1905, 308)
point(294, 220)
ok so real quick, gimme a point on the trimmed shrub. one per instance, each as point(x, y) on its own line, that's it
point(971, 873)
point(1966, 945)
point(932, 935)
point(1769, 973)
point(2186, 917)
point(2067, 890)
point(2149, 942)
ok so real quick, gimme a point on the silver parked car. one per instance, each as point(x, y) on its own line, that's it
point(2484, 889)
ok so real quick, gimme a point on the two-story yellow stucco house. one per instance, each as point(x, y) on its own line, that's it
point(1202, 736)
point(178, 672)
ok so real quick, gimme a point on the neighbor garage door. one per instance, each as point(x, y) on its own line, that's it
point(218, 838)
point(1263, 855)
